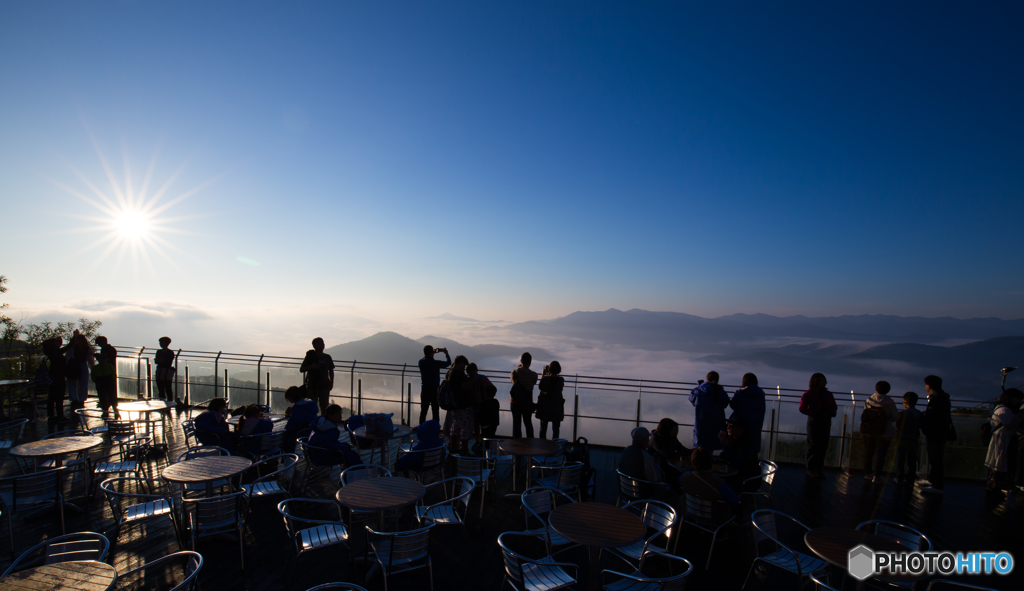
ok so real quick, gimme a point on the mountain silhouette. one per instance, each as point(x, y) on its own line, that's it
point(391, 347)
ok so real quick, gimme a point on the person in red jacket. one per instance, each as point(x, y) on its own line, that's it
point(819, 406)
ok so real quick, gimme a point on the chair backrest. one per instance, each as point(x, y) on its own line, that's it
point(337, 587)
point(408, 550)
point(13, 430)
point(903, 535)
point(362, 472)
point(569, 475)
point(188, 427)
point(540, 501)
point(469, 466)
point(271, 441)
point(35, 488)
point(700, 510)
point(293, 523)
point(656, 515)
point(764, 525)
point(202, 451)
point(675, 582)
point(66, 548)
point(492, 449)
point(432, 458)
point(819, 584)
point(189, 563)
point(768, 471)
point(513, 560)
point(214, 514)
point(285, 469)
point(635, 489)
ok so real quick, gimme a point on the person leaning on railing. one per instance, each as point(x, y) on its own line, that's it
point(820, 406)
point(748, 402)
point(709, 402)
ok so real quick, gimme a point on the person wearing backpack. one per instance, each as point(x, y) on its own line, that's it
point(908, 442)
point(462, 417)
point(709, 401)
point(937, 428)
point(550, 404)
point(878, 427)
point(1004, 422)
point(487, 409)
point(318, 368)
point(78, 359)
point(521, 394)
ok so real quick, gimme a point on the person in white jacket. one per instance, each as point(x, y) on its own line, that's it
point(883, 414)
point(1005, 419)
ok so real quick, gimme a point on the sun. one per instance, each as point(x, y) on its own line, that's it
point(133, 225)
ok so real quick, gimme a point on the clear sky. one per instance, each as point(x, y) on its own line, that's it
point(512, 160)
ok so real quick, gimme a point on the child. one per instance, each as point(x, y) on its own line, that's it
point(908, 428)
point(106, 384)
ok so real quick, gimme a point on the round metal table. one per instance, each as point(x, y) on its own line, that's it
point(525, 446)
point(596, 526)
point(206, 470)
point(55, 447)
point(275, 418)
point(833, 545)
point(63, 576)
point(147, 406)
point(6, 385)
point(380, 495)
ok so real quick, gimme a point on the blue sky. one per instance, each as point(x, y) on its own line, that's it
point(519, 160)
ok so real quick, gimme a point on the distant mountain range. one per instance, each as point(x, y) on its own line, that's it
point(391, 347)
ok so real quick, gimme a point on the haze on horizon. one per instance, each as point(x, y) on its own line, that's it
point(246, 178)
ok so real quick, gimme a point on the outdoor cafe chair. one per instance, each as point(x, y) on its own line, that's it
point(819, 584)
point(270, 485)
point(479, 470)
point(362, 472)
point(337, 587)
point(431, 462)
point(168, 566)
point(660, 521)
point(213, 516)
point(310, 534)
point(311, 464)
point(28, 491)
point(765, 523)
point(554, 459)
point(565, 477)
point(188, 428)
point(365, 454)
point(903, 535)
point(85, 415)
point(760, 486)
point(638, 581)
point(526, 573)
point(398, 552)
point(636, 489)
point(202, 451)
point(129, 506)
point(492, 451)
point(262, 445)
point(131, 460)
point(122, 431)
point(11, 433)
point(451, 510)
point(76, 546)
point(704, 515)
point(538, 503)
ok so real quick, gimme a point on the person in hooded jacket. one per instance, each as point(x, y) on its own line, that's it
point(428, 435)
point(938, 418)
point(709, 401)
point(819, 406)
point(325, 436)
point(301, 415)
point(748, 402)
point(1005, 420)
point(876, 445)
point(212, 427)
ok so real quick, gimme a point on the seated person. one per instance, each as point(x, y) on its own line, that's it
point(429, 435)
point(354, 422)
point(635, 461)
point(700, 480)
point(301, 416)
point(671, 455)
point(740, 452)
point(212, 427)
point(252, 423)
point(325, 435)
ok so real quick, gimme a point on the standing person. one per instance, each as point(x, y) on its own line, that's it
point(59, 385)
point(908, 441)
point(485, 405)
point(550, 403)
point(748, 402)
point(430, 380)
point(319, 370)
point(165, 370)
point(938, 418)
point(523, 381)
point(79, 359)
point(108, 396)
point(709, 401)
point(462, 417)
point(820, 406)
point(878, 426)
point(1004, 422)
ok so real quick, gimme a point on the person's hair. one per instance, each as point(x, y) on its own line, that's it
point(526, 358)
point(911, 397)
point(80, 344)
point(882, 387)
point(749, 379)
point(555, 368)
point(428, 350)
point(217, 404)
point(251, 411)
point(700, 459)
point(1008, 396)
point(471, 368)
point(713, 377)
point(330, 410)
point(461, 359)
point(100, 340)
point(164, 341)
point(933, 382)
point(818, 382)
point(665, 426)
point(318, 340)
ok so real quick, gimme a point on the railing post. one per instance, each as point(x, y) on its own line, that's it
point(227, 396)
point(409, 412)
point(259, 369)
point(771, 435)
point(269, 389)
point(401, 391)
point(138, 373)
point(575, 415)
point(216, 370)
point(360, 396)
point(188, 397)
point(352, 389)
point(149, 379)
point(176, 355)
point(842, 444)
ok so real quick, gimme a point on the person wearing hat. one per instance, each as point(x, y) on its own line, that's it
point(635, 461)
point(740, 451)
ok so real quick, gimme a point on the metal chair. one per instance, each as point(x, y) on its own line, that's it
point(30, 491)
point(764, 484)
point(213, 516)
point(639, 581)
point(398, 552)
point(363, 472)
point(202, 451)
point(564, 477)
point(120, 494)
point(366, 455)
point(188, 428)
point(269, 485)
point(313, 534)
point(660, 519)
point(638, 489)
point(524, 573)
point(820, 585)
point(479, 470)
point(447, 512)
point(903, 535)
point(553, 459)
point(701, 513)
point(130, 460)
point(310, 464)
point(780, 555)
point(337, 587)
point(431, 461)
point(11, 433)
point(77, 546)
point(263, 445)
point(538, 503)
point(492, 451)
point(190, 563)
point(121, 431)
point(85, 415)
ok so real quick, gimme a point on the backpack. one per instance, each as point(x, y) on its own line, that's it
point(446, 396)
point(873, 421)
point(42, 378)
point(579, 451)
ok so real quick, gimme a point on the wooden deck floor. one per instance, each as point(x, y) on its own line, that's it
point(961, 521)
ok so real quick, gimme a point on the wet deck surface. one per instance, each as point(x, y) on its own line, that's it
point(962, 520)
